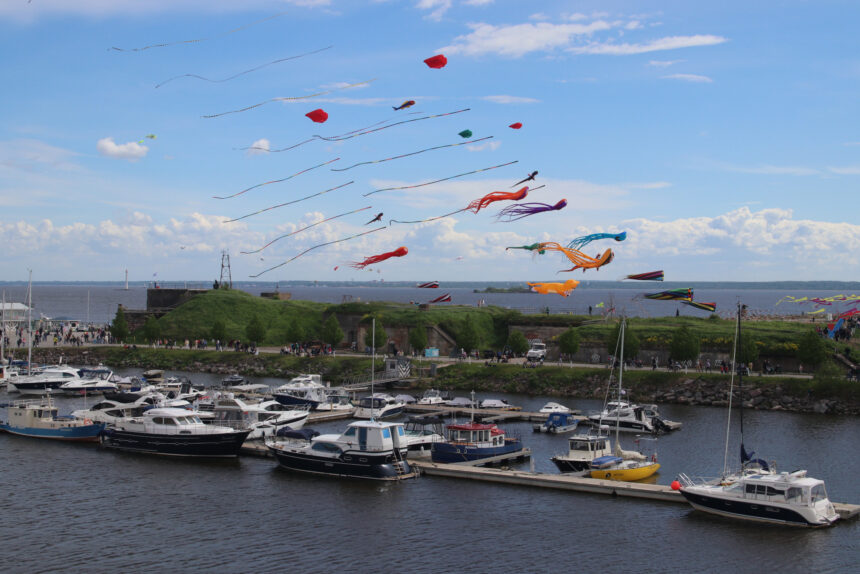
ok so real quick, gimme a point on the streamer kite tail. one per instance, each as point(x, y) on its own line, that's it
point(377, 218)
point(446, 298)
point(683, 294)
point(712, 307)
point(482, 202)
point(521, 210)
point(428, 285)
point(399, 252)
point(649, 276)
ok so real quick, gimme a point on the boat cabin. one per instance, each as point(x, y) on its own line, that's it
point(475, 433)
point(792, 488)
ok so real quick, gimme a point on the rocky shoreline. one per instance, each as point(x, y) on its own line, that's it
point(760, 394)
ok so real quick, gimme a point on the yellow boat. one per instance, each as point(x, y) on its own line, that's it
point(615, 468)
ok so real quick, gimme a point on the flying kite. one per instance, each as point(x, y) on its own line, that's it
point(529, 177)
point(377, 218)
point(288, 99)
point(671, 295)
point(288, 202)
point(399, 252)
point(581, 242)
point(446, 298)
point(563, 289)
point(516, 126)
point(428, 285)
point(234, 76)
point(712, 307)
point(533, 247)
point(578, 258)
point(413, 153)
point(317, 247)
point(198, 39)
point(436, 62)
point(521, 210)
point(317, 116)
point(148, 137)
point(275, 180)
point(476, 205)
point(465, 134)
point(303, 229)
point(438, 180)
point(355, 133)
point(649, 276)
point(404, 105)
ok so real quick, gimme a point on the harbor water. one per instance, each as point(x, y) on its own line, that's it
point(80, 508)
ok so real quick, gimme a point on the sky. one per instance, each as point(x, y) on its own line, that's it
point(724, 138)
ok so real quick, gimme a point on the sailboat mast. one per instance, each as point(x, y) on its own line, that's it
point(731, 391)
point(30, 323)
point(620, 376)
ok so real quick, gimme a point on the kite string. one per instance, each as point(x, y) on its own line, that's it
point(275, 180)
point(287, 203)
point(413, 153)
point(303, 229)
point(439, 180)
point(317, 247)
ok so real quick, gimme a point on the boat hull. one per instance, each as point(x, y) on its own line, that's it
point(460, 452)
point(204, 445)
point(375, 466)
point(291, 401)
point(626, 474)
point(756, 510)
point(379, 414)
point(82, 433)
point(565, 465)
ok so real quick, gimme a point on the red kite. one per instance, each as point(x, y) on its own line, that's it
point(438, 61)
point(317, 116)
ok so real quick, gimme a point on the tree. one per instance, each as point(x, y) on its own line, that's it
point(468, 337)
point(119, 327)
point(331, 331)
point(381, 335)
point(255, 330)
point(747, 351)
point(568, 342)
point(151, 330)
point(685, 346)
point(219, 330)
point(811, 349)
point(294, 333)
point(517, 343)
point(418, 338)
point(631, 342)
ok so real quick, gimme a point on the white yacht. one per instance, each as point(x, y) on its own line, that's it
point(49, 378)
point(628, 417)
point(431, 397)
point(552, 407)
point(91, 381)
point(582, 449)
point(303, 390)
point(264, 418)
point(378, 406)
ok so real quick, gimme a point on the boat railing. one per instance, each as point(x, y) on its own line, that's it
point(30, 402)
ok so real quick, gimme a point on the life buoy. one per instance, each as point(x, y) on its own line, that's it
point(88, 422)
point(608, 475)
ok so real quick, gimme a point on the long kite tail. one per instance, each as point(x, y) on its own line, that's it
point(317, 247)
point(305, 228)
point(439, 180)
point(239, 29)
point(373, 259)
point(234, 76)
point(429, 218)
point(288, 99)
point(478, 204)
point(521, 210)
point(413, 153)
point(275, 180)
point(288, 202)
point(581, 242)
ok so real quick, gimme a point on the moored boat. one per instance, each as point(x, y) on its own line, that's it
point(474, 441)
point(582, 449)
point(378, 406)
point(39, 418)
point(557, 423)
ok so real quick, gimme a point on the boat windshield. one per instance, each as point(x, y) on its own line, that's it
point(818, 493)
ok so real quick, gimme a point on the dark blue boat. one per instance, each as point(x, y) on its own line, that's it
point(474, 441)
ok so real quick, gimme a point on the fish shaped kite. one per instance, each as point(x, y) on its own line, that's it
point(317, 116)
point(482, 202)
point(581, 242)
point(529, 177)
point(377, 218)
point(446, 298)
point(579, 259)
point(521, 210)
point(563, 289)
point(404, 105)
point(712, 307)
point(436, 62)
point(683, 294)
point(399, 252)
point(649, 276)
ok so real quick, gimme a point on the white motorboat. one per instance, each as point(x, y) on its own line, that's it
point(378, 406)
point(174, 432)
point(367, 449)
point(554, 408)
point(422, 432)
point(92, 381)
point(499, 404)
point(336, 401)
point(180, 388)
point(461, 402)
point(50, 378)
point(628, 417)
point(303, 390)
point(264, 418)
point(557, 423)
point(431, 397)
point(582, 449)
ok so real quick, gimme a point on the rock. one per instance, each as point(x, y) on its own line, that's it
point(821, 406)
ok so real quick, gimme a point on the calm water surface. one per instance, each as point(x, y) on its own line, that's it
point(79, 508)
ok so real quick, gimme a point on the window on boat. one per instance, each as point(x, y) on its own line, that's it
point(771, 491)
point(114, 413)
point(386, 433)
point(158, 420)
point(795, 495)
point(349, 432)
point(326, 447)
point(401, 433)
point(818, 493)
point(169, 421)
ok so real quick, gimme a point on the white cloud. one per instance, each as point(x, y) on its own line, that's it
point(501, 99)
point(30, 155)
point(259, 147)
point(478, 2)
point(694, 78)
point(131, 150)
point(663, 63)
point(520, 39)
point(775, 170)
point(28, 11)
point(667, 43)
point(437, 8)
point(848, 170)
point(649, 185)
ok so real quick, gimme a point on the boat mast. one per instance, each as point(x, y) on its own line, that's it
point(620, 372)
point(30, 323)
point(372, 362)
point(3, 332)
point(731, 390)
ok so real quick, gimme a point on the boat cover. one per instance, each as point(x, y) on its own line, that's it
point(304, 434)
point(604, 461)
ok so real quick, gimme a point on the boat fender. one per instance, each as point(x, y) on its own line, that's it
point(654, 457)
point(609, 475)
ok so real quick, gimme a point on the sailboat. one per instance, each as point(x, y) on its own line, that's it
point(758, 492)
point(623, 465)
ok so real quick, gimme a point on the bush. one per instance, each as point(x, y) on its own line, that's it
point(631, 342)
point(119, 327)
point(811, 349)
point(381, 335)
point(685, 346)
point(219, 331)
point(255, 330)
point(568, 342)
point(518, 343)
point(468, 338)
point(418, 338)
point(151, 330)
point(331, 331)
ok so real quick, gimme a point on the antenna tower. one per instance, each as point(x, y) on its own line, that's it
point(226, 281)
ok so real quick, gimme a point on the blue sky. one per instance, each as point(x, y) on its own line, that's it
point(722, 137)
